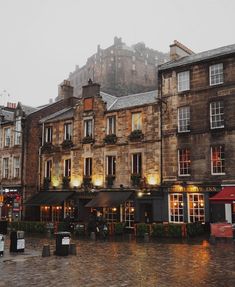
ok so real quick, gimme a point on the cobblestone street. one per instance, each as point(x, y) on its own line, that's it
point(126, 263)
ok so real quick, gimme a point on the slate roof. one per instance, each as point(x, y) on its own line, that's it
point(28, 109)
point(109, 99)
point(226, 50)
point(63, 114)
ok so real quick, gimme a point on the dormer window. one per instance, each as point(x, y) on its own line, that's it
point(48, 135)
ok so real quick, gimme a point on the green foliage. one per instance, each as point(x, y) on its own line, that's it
point(29, 226)
point(66, 182)
point(158, 230)
point(46, 183)
point(88, 139)
point(110, 139)
point(141, 229)
point(175, 230)
point(135, 178)
point(119, 228)
point(194, 229)
point(66, 144)
point(136, 135)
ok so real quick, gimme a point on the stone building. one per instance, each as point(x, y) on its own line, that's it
point(120, 69)
point(197, 94)
point(11, 122)
point(103, 154)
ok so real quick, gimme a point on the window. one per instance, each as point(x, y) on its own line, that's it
point(217, 115)
point(136, 121)
point(88, 128)
point(16, 167)
point(48, 135)
point(17, 131)
point(110, 214)
point(176, 208)
point(6, 168)
point(129, 213)
point(217, 160)
point(184, 162)
point(183, 81)
point(88, 167)
point(183, 119)
point(216, 74)
point(196, 211)
point(67, 131)
point(7, 138)
point(111, 125)
point(136, 163)
point(67, 168)
point(111, 165)
point(48, 168)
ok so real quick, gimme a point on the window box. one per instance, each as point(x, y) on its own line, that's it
point(66, 181)
point(48, 147)
point(109, 180)
point(87, 182)
point(46, 183)
point(110, 139)
point(135, 178)
point(88, 140)
point(66, 144)
point(136, 135)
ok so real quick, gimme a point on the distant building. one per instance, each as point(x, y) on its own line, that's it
point(119, 69)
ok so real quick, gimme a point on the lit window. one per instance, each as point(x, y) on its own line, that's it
point(67, 131)
point(129, 212)
point(48, 135)
point(67, 168)
point(136, 163)
point(110, 214)
point(16, 167)
point(111, 125)
point(217, 115)
point(5, 167)
point(217, 160)
point(196, 210)
point(88, 128)
point(183, 119)
point(48, 168)
point(136, 121)
point(216, 74)
point(111, 165)
point(7, 139)
point(183, 81)
point(88, 166)
point(184, 163)
point(17, 131)
point(176, 208)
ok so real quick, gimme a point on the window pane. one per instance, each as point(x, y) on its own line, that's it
point(183, 81)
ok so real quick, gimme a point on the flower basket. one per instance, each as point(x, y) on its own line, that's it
point(47, 147)
point(66, 182)
point(87, 140)
point(110, 139)
point(87, 182)
point(136, 135)
point(66, 144)
point(135, 178)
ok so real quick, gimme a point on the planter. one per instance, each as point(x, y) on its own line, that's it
point(87, 182)
point(110, 139)
point(47, 148)
point(136, 135)
point(135, 178)
point(88, 140)
point(66, 144)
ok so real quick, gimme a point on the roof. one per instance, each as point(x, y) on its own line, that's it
point(227, 194)
point(49, 198)
point(222, 51)
point(28, 109)
point(134, 100)
point(66, 113)
point(109, 99)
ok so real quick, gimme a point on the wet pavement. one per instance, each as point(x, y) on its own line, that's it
point(119, 263)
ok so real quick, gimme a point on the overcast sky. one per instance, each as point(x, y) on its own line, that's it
point(43, 40)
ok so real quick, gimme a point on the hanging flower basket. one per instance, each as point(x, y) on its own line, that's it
point(66, 144)
point(135, 178)
point(110, 139)
point(88, 140)
point(136, 135)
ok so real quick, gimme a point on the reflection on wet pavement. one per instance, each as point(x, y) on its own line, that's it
point(124, 263)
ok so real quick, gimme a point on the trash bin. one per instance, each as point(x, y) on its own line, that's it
point(3, 227)
point(17, 241)
point(62, 243)
point(1, 245)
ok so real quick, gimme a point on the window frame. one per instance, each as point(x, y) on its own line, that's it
point(222, 160)
point(136, 126)
point(88, 127)
point(184, 119)
point(214, 115)
point(68, 131)
point(87, 167)
point(6, 174)
point(111, 165)
point(48, 132)
point(186, 164)
point(18, 131)
point(48, 169)
point(196, 206)
point(138, 162)
point(67, 167)
point(183, 81)
point(7, 137)
point(16, 167)
point(111, 125)
point(172, 204)
point(219, 74)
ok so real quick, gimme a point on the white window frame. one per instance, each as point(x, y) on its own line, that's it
point(186, 164)
point(196, 206)
point(176, 203)
point(7, 137)
point(217, 115)
point(136, 121)
point(183, 81)
point(88, 166)
point(129, 213)
point(68, 131)
point(67, 167)
point(48, 169)
point(48, 134)
point(111, 165)
point(221, 165)
point(18, 131)
point(6, 170)
point(184, 119)
point(138, 169)
point(88, 128)
point(111, 125)
point(216, 74)
point(16, 167)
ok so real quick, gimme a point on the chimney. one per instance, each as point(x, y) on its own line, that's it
point(65, 90)
point(11, 105)
point(91, 90)
point(178, 50)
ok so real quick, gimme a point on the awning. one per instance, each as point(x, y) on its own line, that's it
point(226, 195)
point(109, 199)
point(54, 198)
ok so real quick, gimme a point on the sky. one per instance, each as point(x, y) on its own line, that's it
point(41, 41)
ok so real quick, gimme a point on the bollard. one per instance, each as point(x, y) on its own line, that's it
point(72, 249)
point(146, 237)
point(93, 236)
point(46, 251)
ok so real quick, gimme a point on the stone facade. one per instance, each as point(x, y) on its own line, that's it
point(120, 69)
